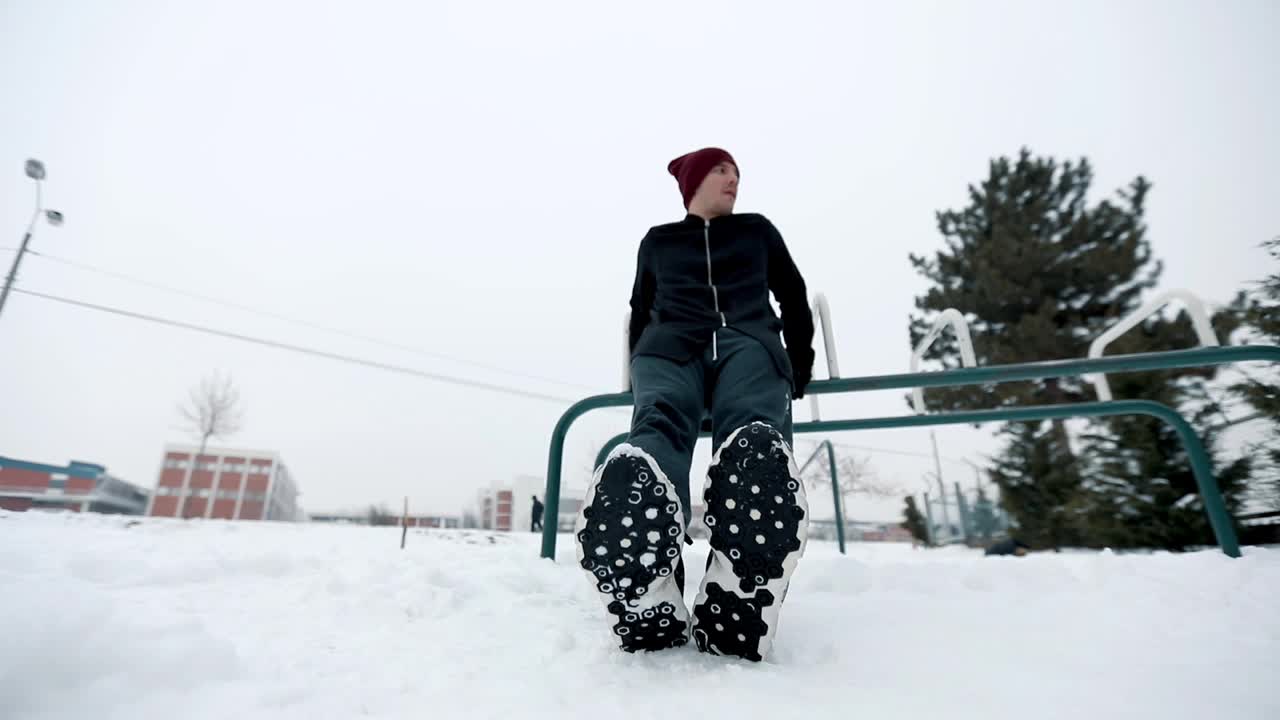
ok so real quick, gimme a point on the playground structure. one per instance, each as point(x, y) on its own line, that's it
point(1094, 368)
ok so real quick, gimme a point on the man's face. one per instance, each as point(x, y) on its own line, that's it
point(718, 192)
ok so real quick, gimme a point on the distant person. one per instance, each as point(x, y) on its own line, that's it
point(536, 524)
point(704, 337)
point(1011, 546)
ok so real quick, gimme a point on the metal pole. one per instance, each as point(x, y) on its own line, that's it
point(835, 486)
point(13, 270)
point(22, 250)
point(835, 495)
point(964, 515)
point(942, 489)
point(555, 462)
point(404, 522)
point(928, 519)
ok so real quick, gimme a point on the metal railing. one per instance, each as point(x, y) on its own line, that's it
point(1195, 309)
point(949, 317)
point(620, 438)
point(835, 486)
point(822, 311)
point(1211, 495)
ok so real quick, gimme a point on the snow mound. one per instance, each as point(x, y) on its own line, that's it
point(110, 617)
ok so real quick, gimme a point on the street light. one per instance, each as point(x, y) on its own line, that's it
point(35, 170)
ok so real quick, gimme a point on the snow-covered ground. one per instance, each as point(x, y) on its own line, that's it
point(110, 617)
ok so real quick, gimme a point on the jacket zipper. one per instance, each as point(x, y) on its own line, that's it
point(715, 294)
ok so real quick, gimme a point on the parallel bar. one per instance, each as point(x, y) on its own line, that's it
point(835, 485)
point(614, 442)
point(1055, 368)
point(551, 509)
point(835, 495)
point(977, 376)
point(1214, 505)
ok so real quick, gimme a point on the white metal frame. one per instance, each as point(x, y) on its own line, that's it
point(1194, 307)
point(822, 311)
point(949, 318)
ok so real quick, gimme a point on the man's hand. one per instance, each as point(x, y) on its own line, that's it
point(801, 378)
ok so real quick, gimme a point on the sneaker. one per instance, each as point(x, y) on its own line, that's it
point(759, 520)
point(629, 535)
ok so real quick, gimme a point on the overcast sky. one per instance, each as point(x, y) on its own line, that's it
point(472, 178)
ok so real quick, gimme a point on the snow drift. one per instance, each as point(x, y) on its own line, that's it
point(112, 617)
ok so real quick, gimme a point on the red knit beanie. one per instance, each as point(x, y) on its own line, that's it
point(691, 169)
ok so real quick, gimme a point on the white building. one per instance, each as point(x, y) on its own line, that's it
point(508, 505)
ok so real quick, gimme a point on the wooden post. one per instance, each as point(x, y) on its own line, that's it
point(404, 522)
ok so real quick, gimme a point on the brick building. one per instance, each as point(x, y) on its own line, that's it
point(79, 487)
point(224, 484)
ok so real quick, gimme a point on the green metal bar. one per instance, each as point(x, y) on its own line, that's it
point(551, 506)
point(608, 447)
point(966, 376)
point(618, 439)
point(1214, 506)
point(1026, 371)
point(835, 485)
point(1056, 368)
point(835, 495)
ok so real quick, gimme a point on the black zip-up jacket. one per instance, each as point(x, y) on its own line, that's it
point(694, 277)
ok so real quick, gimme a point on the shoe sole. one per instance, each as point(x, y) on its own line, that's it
point(757, 512)
point(629, 538)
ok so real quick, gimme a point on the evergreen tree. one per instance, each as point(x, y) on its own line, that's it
point(1039, 485)
point(1038, 273)
point(1261, 317)
point(914, 522)
point(1140, 490)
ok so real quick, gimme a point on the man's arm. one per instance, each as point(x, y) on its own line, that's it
point(641, 296)
point(787, 286)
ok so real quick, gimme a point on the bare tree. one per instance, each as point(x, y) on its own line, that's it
point(212, 409)
point(380, 515)
point(856, 474)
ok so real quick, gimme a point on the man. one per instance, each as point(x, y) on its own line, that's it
point(536, 523)
point(1009, 546)
point(705, 338)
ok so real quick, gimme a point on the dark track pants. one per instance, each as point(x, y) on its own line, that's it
point(740, 385)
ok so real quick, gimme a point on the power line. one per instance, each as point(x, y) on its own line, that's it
point(297, 348)
point(297, 321)
point(907, 453)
